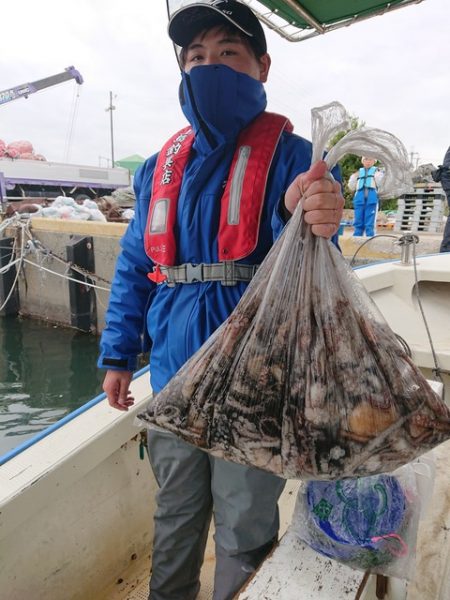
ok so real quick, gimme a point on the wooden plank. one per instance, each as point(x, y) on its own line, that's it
point(79, 227)
point(296, 572)
point(432, 573)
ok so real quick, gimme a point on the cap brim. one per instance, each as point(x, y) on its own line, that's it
point(189, 21)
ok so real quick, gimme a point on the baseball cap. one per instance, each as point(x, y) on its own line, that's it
point(190, 20)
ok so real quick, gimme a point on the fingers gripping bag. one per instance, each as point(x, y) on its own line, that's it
point(367, 523)
point(305, 379)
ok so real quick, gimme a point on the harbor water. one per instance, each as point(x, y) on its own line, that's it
point(46, 372)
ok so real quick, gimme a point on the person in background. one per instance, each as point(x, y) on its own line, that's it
point(442, 176)
point(209, 206)
point(365, 201)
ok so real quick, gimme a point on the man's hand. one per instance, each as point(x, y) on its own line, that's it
point(116, 386)
point(323, 202)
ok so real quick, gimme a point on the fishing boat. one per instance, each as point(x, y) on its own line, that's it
point(76, 501)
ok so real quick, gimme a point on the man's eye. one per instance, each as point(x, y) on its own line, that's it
point(195, 58)
point(229, 53)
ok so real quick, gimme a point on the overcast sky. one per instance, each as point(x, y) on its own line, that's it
point(392, 72)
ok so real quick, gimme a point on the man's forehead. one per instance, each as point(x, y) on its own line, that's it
point(218, 36)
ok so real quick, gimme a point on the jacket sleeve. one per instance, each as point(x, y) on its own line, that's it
point(131, 291)
point(302, 150)
point(445, 176)
point(352, 181)
point(379, 175)
point(446, 161)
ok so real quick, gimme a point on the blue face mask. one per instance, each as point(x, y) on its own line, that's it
point(219, 102)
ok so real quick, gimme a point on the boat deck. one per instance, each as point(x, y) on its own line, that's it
point(134, 586)
point(294, 570)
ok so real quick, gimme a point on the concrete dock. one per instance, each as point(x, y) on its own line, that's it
point(45, 290)
point(385, 245)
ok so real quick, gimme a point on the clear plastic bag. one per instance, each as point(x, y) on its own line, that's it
point(367, 523)
point(305, 378)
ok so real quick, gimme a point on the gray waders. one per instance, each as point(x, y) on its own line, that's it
point(246, 519)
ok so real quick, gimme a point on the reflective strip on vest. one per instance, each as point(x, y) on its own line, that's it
point(242, 201)
point(159, 239)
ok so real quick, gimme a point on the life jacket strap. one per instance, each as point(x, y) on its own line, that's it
point(227, 272)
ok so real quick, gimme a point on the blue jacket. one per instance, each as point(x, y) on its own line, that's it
point(180, 319)
point(445, 177)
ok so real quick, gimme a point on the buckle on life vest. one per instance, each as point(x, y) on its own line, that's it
point(226, 272)
point(156, 275)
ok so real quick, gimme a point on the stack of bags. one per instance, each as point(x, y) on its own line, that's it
point(21, 149)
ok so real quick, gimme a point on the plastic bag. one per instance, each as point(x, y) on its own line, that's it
point(65, 207)
point(305, 378)
point(367, 523)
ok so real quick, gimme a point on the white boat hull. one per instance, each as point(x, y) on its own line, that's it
point(76, 508)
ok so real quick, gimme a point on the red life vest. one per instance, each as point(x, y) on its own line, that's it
point(239, 220)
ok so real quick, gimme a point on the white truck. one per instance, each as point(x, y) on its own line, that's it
point(20, 179)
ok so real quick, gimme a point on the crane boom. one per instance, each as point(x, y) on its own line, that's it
point(24, 90)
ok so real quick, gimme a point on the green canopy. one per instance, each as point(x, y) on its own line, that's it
point(297, 20)
point(130, 162)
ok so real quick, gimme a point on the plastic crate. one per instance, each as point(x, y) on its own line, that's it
point(421, 211)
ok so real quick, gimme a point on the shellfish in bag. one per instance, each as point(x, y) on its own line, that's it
point(305, 379)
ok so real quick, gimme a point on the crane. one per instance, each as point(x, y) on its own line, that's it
point(24, 90)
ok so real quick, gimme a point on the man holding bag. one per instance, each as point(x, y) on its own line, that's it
point(208, 208)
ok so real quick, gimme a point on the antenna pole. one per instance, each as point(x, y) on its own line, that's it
point(110, 108)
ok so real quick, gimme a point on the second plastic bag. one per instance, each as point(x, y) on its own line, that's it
point(367, 523)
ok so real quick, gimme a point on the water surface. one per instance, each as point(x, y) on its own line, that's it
point(46, 371)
